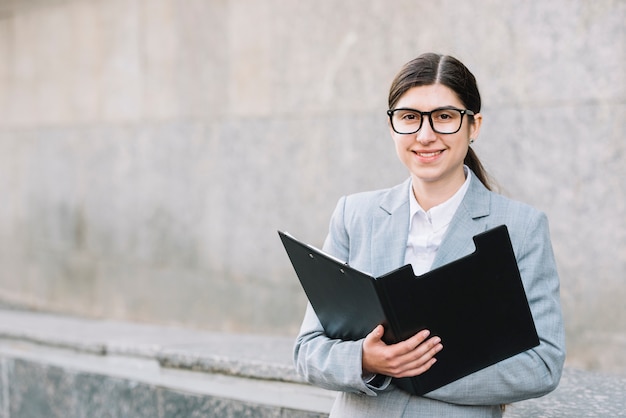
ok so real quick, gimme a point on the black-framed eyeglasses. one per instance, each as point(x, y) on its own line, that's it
point(443, 120)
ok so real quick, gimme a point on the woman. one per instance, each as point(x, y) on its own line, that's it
point(427, 221)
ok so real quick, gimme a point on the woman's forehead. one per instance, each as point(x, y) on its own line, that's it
point(429, 97)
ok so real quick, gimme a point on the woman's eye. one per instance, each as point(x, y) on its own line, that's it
point(444, 116)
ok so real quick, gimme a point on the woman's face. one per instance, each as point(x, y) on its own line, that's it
point(431, 157)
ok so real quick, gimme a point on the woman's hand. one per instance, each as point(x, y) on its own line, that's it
point(407, 358)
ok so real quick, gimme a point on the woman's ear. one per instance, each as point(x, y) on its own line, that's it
point(391, 131)
point(475, 126)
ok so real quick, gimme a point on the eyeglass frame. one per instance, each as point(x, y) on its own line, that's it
point(463, 112)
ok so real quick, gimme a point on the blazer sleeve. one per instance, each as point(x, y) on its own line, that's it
point(535, 372)
point(330, 363)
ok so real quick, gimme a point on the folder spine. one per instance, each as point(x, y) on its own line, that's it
point(392, 332)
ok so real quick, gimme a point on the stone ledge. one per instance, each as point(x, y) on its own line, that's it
point(53, 364)
point(245, 355)
point(40, 381)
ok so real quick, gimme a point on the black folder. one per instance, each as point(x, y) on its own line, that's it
point(476, 304)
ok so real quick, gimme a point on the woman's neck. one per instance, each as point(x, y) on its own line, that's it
point(432, 193)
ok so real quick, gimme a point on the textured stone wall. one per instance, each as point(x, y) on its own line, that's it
point(149, 149)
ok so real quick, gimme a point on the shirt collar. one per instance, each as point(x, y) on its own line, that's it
point(441, 215)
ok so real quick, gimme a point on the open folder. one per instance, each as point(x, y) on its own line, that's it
point(476, 304)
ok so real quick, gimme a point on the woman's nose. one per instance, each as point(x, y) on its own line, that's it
point(426, 133)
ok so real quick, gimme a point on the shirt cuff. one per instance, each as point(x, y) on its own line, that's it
point(377, 381)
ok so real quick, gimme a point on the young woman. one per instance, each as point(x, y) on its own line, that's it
point(427, 221)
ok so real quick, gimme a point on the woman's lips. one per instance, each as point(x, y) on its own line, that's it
point(428, 154)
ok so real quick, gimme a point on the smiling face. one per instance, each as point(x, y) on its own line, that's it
point(434, 160)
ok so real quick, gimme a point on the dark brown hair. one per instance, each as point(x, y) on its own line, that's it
point(430, 68)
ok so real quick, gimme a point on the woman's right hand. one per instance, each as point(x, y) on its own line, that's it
point(407, 358)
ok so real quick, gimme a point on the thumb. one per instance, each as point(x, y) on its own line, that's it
point(376, 334)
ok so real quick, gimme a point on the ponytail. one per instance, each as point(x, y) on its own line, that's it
point(472, 161)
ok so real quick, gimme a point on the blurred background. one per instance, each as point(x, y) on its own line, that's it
point(150, 149)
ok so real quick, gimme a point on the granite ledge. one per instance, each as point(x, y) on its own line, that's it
point(192, 361)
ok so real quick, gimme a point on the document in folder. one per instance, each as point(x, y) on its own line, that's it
point(476, 304)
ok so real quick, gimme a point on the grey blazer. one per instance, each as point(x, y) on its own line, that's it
point(370, 230)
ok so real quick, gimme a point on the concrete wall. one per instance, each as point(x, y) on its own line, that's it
point(149, 149)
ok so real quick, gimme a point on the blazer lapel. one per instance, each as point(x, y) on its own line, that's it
point(469, 220)
point(390, 230)
point(390, 227)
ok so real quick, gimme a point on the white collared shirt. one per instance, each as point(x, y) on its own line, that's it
point(426, 229)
